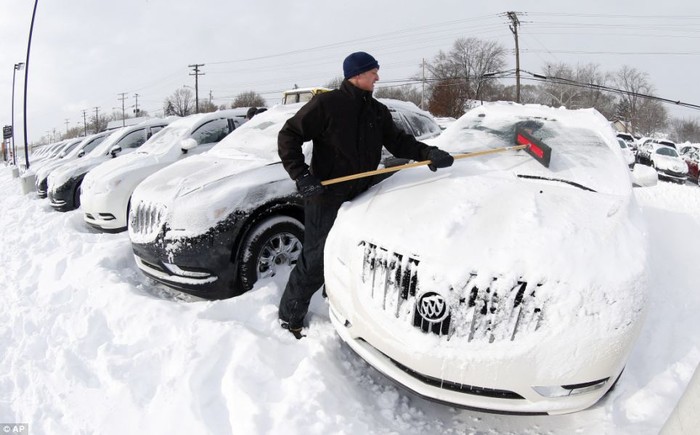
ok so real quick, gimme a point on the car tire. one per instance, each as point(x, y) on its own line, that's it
point(274, 242)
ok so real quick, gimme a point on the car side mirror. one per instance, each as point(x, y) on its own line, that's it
point(81, 153)
point(187, 144)
point(116, 149)
point(644, 176)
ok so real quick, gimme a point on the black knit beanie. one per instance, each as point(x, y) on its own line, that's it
point(357, 63)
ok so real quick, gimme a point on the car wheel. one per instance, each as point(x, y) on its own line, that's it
point(274, 242)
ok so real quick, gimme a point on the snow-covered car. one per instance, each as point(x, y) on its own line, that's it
point(497, 284)
point(88, 144)
point(646, 149)
point(63, 185)
point(107, 188)
point(668, 163)
point(57, 156)
point(629, 140)
point(627, 153)
point(212, 225)
point(691, 156)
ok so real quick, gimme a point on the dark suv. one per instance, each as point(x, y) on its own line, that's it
point(214, 224)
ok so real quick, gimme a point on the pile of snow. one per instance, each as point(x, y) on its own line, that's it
point(89, 345)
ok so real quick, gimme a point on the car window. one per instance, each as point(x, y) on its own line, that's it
point(665, 151)
point(134, 139)
point(93, 143)
point(155, 129)
point(211, 132)
point(422, 125)
point(622, 143)
point(401, 123)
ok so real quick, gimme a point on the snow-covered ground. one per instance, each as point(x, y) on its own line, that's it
point(89, 345)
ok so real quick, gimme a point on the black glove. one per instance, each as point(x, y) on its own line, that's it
point(439, 159)
point(308, 185)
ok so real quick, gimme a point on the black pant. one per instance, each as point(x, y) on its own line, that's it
point(306, 278)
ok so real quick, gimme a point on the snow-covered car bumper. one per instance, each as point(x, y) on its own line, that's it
point(530, 380)
point(104, 212)
point(42, 187)
point(62, 198)
point(200, 265)
point(669, 174)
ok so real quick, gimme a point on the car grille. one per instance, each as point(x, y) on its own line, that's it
point(470, 311)
point(147, 219)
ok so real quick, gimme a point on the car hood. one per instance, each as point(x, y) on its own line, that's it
point(581, 254)
point(196, 193)
point(114, 170)
point(45, 170)
point(73, 169)
point(462, 220)
point(672, 163)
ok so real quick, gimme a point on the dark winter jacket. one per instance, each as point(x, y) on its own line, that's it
point(348, 128)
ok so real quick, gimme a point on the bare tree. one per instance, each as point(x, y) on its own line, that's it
point(651, 117)
point(403, 93)
point(577, 87)
point(634, 83)
point(462, 74)
point(685, 130)
point(334, 83)
point(248, 99)
point(180, 103)
point(206, 106)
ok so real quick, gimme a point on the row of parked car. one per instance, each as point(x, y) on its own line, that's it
point(673, 163)
point(479, 315)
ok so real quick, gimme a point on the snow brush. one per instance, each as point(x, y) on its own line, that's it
point(541, 152)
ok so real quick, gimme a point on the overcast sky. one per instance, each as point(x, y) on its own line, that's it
point(85, 53)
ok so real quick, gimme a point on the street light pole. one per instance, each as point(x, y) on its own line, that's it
point(18, 67)
point(26, 77)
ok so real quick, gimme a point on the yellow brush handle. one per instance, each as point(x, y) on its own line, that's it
point(421, 163)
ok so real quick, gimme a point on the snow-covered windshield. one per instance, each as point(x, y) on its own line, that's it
point(257, 138)
point(584, 149)
point(162, 141)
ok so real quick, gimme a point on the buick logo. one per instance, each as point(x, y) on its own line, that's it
point(432, 307)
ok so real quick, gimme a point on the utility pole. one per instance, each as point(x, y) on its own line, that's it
point(85, 121)
point(515, 22)
point(136, 106)
point(123, 97)
point(67, 121)
point(196, 75)
point(422, 94)
point(97, 117)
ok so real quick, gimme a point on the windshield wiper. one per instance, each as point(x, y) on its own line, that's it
point(573, 183)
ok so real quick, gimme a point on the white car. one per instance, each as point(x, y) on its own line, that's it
point(107, 189)
point(88, 144)
point(64, 183)
point(497, 284)
point(627, 153)
point(668, 163)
